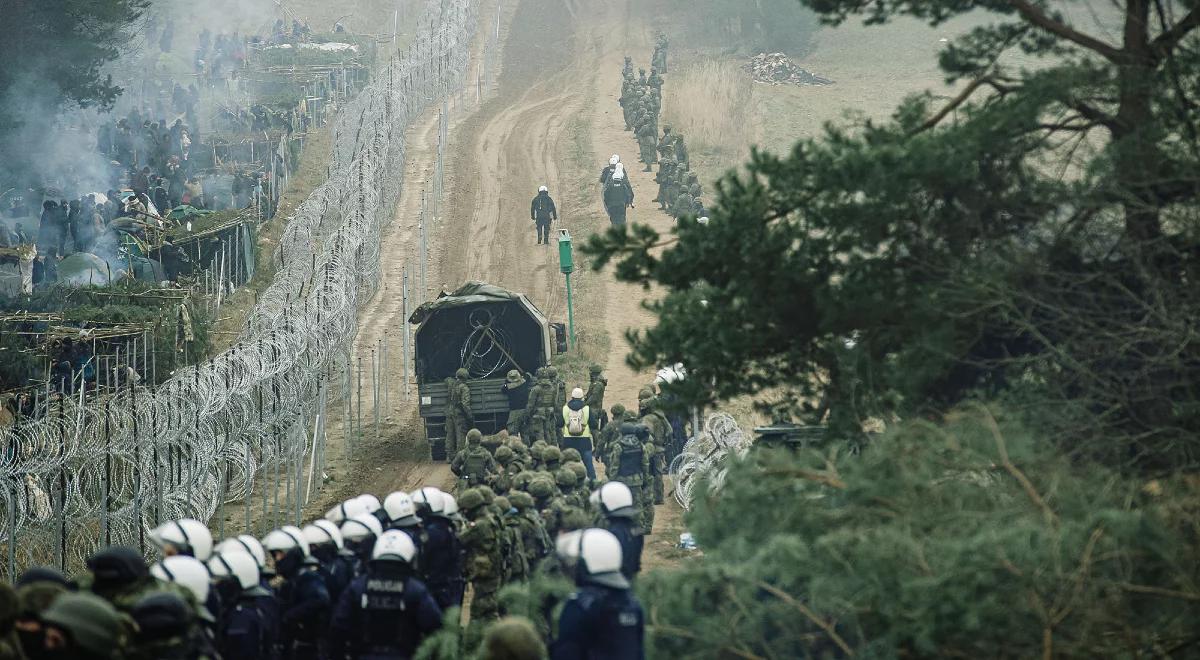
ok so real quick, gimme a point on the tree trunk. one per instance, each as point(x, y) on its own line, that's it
point(1137, 160)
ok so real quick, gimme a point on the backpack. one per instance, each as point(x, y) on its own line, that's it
point(630, 456)
point(575, 422)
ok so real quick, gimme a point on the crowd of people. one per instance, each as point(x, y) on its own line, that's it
point(679, 189)
point(540, 550)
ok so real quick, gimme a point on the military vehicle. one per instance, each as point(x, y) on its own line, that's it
point(488, 331)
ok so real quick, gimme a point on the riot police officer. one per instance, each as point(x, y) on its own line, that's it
point(385, 614)
point(247, 628)
point(303, 599)
point(603, 618)
point(441, 558)
point(621, 517)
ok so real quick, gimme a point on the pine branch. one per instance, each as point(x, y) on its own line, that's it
point(1164, 43)
point(1016, 472)
point(808, 614)
point(1043, 20)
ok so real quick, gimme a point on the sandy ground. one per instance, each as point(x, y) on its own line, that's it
point(551, 118)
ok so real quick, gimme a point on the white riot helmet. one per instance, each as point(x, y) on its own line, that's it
point(597, 556)
point(321, 532)
point(360, 527)
point(370, 502)
point(614, 160)
point(543, 189)
point(619, 173)
point(188, 536)
point(244, 543)
point(346, 510)
point(615, 499)
point(400, 509)
point(429, 499)
point(285, 538)
point(450, 508)
point(236, 564)
point(187, 572)
point(394, 545)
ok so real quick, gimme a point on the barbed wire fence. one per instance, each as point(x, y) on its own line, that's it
point(247, 425)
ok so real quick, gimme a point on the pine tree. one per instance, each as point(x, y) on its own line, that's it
point(970, 540)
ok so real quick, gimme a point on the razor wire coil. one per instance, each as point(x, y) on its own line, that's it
point(123, 462)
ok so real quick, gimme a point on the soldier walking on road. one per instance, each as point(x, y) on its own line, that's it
point(542, 211)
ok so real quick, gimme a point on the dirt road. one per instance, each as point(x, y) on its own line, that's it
point(551, 119)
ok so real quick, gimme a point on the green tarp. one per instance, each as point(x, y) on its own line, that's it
point(471, 293)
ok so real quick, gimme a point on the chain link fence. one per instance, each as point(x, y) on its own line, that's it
point(247, 426)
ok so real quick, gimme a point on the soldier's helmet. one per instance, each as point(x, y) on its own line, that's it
point(551, 454)
point(694, 190)
point(618, 409)
point(645, 394)
point(488, 494)
point(541, 487)
point(462, 374)
point(565, 478)
point(521, 500)
point(575, 519)
point(595, 369)
point(512, 637)
point(666, 129)
point(504, 454)
point(571, 454)
point(474, 437)
point(551, 373)
point(541, 373)
point(502, 503)
point(580, 471)
point(470, 500)
point(92, 623)
point(641, 70)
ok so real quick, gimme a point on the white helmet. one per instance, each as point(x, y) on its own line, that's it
point(400, 508)
point(598, 554)
point(430, 498)
point(348, 509)
point(323, 531)
point(361, 526)
point(543, 189)
point(702, 219)
point(394, 545)
point(614, 499)
point(614, 160)
point(244, 543)
point(285, 538)
point(370, 502)
point(189, 536)
point(619, 173)
point(450, 506)
point(236, 564)
point(187, 572)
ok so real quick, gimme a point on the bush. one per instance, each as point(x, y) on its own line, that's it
point(972, 540)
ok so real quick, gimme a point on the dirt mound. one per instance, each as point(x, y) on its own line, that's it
point(777, 69)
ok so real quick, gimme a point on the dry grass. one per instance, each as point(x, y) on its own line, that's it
point(707, 100)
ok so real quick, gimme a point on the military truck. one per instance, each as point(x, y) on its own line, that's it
point(488, 331)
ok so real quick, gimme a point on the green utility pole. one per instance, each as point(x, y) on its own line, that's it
point(566, 263)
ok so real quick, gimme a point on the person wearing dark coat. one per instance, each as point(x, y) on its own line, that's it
point(49, 237)
point(542, 211)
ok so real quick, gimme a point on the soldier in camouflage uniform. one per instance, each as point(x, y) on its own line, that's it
point(698, 209)
point(666, 166)
point(681, 152)
point(554, 429)
point(597, 383)
point(629, 463)
point(508, 469)
point(627, 70)
point(474, 466)
point(90, 627)
point(460, 418)
point(655, 81)
point(609, 434)
point(642, 78)
point(583, 487)
point(481, 541)
point(660, 430)
point(167, 628)
point(516, 566)
point(551, 460)
point(645, 138)
point(683, 204)
point(534, 539)
point(544, 492)
point(540, 397)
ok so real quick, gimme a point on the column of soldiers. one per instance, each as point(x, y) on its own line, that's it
point(679, 189)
